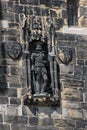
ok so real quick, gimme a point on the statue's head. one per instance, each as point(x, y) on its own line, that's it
point(39, 45)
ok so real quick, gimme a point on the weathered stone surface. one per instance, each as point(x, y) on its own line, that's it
point(46, 122)
point(85, 97)
point(85, 114)
point(64, 123)
point(71, 94)
point(66, 128)
point(66, 69)
point(41, 128)
point(84, 21)
point(16, 71)
point(1, 118)
point(33, 121)
point(4, 70)
point(16, 119)
point(3, 100)
point(72, 113)
point(18, 127)
point(15, 101)
point(12, 110)
point(79, 124)
point(4, 127)
point(71, 104)
point(8, 92)
point(9, 78)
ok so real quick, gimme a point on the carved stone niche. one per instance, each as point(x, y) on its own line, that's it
point(42, 80)
point(44, 91)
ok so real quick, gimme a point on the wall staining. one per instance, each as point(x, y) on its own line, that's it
point(67, 58)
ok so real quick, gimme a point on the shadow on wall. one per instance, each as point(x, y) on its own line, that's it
point(0, 11)
point(3, 67)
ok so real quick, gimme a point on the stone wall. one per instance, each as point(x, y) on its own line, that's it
point(71, 114)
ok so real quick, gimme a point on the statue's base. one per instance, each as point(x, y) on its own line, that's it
point(42, 99)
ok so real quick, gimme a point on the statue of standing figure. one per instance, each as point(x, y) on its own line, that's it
point(39, 69)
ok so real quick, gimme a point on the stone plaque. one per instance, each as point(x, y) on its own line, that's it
point(14, 49)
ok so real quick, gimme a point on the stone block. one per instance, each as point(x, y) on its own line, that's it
point(37, 11)
point(3, 6)
point(84, 105)
point(66, 37)
point(84, 21)
point(54, 14)
point(12, 32)
point(69, 69)
point(15, 85)
point(45, 12)
point(45, 2)
point(85, 123)
point(85, 97)
point(15, 101)
point(41, 128)
point(1, 118)
point(12, 110)
point(80, 62)
point(79, 124)
point(70, 104)
point(19, 9)
point(8, 92)
point(64, 123)
point(85, 114)
point(83, 10)
point(72, 83)
point(59, 22)
point(72, 113)
point(3, 100)
point(3, 109)
point(4, 70)
point(8, 16)
point(78, 129)
point(16, 119)
point(33, 121)
point(10, 6)
point(58, 4)
point(16, 71)
point(64, 13)
point(3, 23)
point(65, 128)
point(29, 10)
point(78, 72)
point(30, 2)
point(13, 25)
point(17, 18)
point(71, 94)
point(18, 127)
point(4, 127)
point(9, 78)
point(3, 85)
point(46, 122)
point(85, 70)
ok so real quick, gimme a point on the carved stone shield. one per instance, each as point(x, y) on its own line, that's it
point(65, 55)
point(14, 49)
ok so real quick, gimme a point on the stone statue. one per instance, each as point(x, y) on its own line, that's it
point(39, 70)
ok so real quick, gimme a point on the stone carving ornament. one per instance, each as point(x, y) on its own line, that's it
point(14, 49)
point(64, 54)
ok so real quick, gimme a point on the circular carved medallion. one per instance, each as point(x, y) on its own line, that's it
point(14, 49)
point(65, 55)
